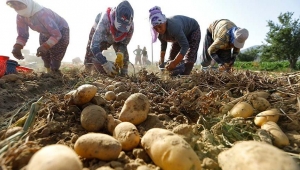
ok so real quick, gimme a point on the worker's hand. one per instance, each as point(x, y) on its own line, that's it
point(109, 68)
point(17, 51)
point(119, 60)
point(42, 50)
point(225, 67)
point(171, 65)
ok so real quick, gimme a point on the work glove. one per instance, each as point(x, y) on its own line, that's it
point(119, 60)
point(17, 51)
point(109, 68)
point(42, 50)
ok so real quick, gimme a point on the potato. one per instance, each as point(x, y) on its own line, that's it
point(271, 115)
point(128, 135)
point(280, 139)
point(250, 155)
point(55, 156)
point(135, 109)
point(262, 94)
point(260, 104)
point(110, 95)
point(69, 95)
point(111, 123)
point(169, 151)
point(225, 108)
point(241, 109)
point(110, 88)
point(93, 118)
point(84, 94)
point(97, 145)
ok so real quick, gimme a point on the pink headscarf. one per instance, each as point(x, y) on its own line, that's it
point(156, 17)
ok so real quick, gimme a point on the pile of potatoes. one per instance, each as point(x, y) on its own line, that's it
point(266, 118)
point(163, 146)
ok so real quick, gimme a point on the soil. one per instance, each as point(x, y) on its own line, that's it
point(190, 106)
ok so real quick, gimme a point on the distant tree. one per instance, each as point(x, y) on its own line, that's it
point(283, 40)
point(249, 55)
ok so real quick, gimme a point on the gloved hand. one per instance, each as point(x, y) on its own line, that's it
point(119, 60)
point(17, 51)
point(42, 50)
point(109, 68)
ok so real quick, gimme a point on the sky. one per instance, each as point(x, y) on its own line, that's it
point(80, 15)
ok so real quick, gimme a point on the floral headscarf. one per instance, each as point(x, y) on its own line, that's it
point(156, 17)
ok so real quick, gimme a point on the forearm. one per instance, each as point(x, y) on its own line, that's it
point(162, 55)
point(217, 58)
point(178, 58)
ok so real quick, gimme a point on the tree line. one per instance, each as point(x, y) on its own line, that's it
point(282, 42)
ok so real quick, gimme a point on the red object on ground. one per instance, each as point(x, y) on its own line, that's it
point(3, 60)
point(24, 69)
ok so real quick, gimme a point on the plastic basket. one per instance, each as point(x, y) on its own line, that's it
point(24, 69)
point(11, 67)
point(3, 60)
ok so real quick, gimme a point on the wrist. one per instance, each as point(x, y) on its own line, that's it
point(46, 46)
point(18, 46)
point(100, 58)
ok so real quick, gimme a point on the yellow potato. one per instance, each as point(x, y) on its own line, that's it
point(55, 156)
point(135, 109)
point(241, 109)
point(270, 115)
point(262, 94)
point(169, 151)
point(84, 94)
point(97, 145)
point(280, 139)
point(128, 135)
point(110, 95)
point(225, 108)
point(260, 104)
point(253, 155)
point(93, 118)
point(111, 123)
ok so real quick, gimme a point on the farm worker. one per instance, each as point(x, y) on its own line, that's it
point(221, 37)
point(138, 55)
point(184, 34)
point(88, 59)
point(115, 28)
point(53, 29)
point(145, 56)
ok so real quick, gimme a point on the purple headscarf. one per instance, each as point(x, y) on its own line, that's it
point(156, 17)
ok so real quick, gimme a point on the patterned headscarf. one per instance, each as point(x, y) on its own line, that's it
point(32, 8)
point(156, 17)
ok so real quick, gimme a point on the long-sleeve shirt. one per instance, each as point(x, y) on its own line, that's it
point(179, 27)
point(103, 35)
point(219, 30)
point(45, 22)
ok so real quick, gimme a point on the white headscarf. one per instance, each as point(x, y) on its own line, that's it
point(32, 8)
